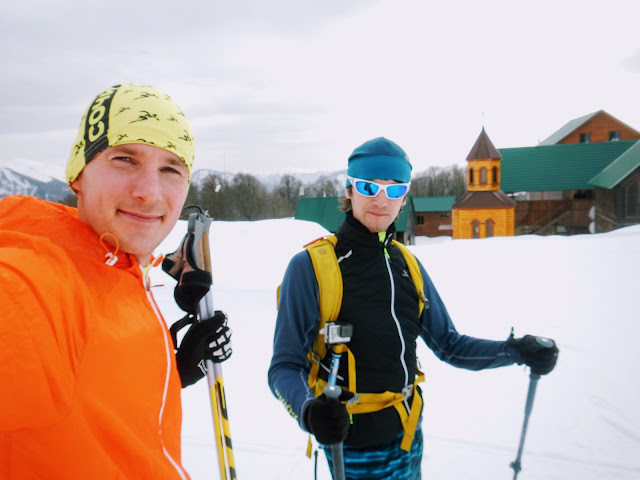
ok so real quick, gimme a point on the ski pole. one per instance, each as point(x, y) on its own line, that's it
point(336, 337)
point(533, 383)
point(199, 224)
point(333, 391)
point(544, 343)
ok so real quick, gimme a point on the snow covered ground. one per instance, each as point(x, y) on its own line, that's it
point(582, 291)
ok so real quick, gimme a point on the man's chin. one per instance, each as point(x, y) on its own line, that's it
point(140, 250)
point(376, 227)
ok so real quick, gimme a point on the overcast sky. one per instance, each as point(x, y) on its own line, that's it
point(296, 85)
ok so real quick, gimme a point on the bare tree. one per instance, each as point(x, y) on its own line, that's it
point(438, 182)
point(286, 195)
point(250, 198)
point(323, 187)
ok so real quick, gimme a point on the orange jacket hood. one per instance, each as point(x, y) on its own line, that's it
point(88, 369)
point(58, 223)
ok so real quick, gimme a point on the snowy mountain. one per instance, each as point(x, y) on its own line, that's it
point(29, 179)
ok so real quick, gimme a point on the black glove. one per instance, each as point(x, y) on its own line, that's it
point(328, 419)
point(540, 353)
point(208, 339)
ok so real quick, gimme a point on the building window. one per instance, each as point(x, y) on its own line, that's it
point(483, 176)
point(475, 225)
point(614, 136)
point(494, 173)
point(471, 176)
point(420, 219)
point(489, 228)
point(585, 137)
point(445, 214)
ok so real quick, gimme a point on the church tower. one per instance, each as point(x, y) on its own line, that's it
point(485, 210)
point(483, 169)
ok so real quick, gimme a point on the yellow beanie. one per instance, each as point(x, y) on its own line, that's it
point(131, 113)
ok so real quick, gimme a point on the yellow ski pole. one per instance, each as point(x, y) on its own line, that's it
point(199, 224)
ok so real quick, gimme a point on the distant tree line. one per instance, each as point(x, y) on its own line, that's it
point(246, 198)
point(439, 182)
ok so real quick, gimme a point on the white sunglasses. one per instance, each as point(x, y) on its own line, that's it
point(368, 188)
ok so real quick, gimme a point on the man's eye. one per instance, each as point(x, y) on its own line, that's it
point(124, 159)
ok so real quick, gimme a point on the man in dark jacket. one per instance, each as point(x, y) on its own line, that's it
point(382, 439)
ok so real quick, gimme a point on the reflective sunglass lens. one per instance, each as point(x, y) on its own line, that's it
point(396, 191)
point(367, 188)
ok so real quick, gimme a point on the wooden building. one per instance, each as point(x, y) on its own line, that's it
point(578, 180)
point(617, 192)
point(485, 210)
point(552, 184)
point(433, 216)
point(592, 128)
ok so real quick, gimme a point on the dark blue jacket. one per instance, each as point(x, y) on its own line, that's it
point(381, 302)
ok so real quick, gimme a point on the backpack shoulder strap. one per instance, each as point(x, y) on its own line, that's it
point(414, 271)
point(329, 278)
point(328, 275)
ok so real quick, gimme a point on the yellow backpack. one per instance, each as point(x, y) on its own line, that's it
point(329, 278)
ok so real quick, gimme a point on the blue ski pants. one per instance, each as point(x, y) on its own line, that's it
point(386, 461)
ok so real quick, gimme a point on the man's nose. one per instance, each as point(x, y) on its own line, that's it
point(146, 186)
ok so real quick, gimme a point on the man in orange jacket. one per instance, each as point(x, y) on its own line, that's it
point(90, 385)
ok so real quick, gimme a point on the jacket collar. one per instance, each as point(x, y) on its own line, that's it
point(60, 225)
point(353, 231)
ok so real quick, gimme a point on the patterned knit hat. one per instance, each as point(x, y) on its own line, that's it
point(131, 113)
point(379, 159)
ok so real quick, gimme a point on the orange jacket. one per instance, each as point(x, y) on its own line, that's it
point(89, 385)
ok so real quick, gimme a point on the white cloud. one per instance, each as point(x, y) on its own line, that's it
point(294, 84)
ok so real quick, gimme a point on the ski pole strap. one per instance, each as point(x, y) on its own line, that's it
point(309, 447)
point(193, 282)
point(188, 319)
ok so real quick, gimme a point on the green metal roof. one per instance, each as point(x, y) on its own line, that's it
point(433, 204)
point(619, 169)
point(557, 167)
point(325, 211)
point(322, 210)
point(403, 218)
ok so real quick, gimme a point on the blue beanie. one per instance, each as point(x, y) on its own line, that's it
point(379, 159)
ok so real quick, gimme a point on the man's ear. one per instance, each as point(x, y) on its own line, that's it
point(75, 186)
point(347, 193)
